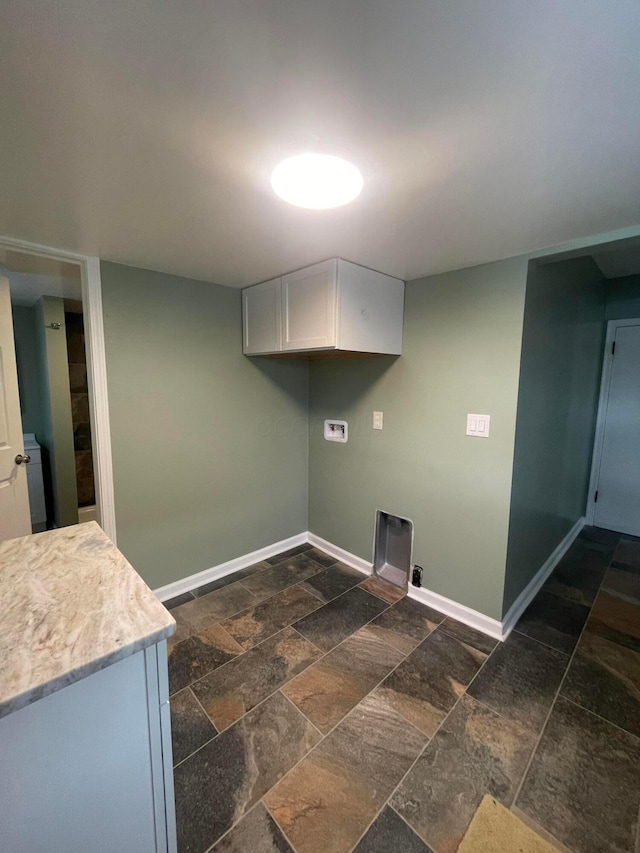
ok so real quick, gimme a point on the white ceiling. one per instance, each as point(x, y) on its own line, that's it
point(31, 277)
point(145, 132)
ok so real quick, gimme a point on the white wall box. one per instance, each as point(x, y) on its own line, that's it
point(336, 431)
point(332, 307)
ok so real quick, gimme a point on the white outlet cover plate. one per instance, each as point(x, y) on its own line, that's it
point(478, 425)
point(377, 420)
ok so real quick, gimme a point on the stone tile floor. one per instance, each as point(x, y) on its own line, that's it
point(316, 711)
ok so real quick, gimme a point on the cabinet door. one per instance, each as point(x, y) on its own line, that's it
point(262, 318)
point(309, 299)
point(77, 769)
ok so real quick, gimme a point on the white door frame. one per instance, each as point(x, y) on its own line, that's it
point(96, 371)
point(607, 363)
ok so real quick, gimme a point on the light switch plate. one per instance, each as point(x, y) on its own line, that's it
point(478, 425)
point(377, 420)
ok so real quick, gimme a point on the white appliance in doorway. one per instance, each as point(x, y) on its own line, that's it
point(614, 498)
point(35, 483)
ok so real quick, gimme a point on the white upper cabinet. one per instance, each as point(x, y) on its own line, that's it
point(262, 318)
point(309, 299)
point(331, 306)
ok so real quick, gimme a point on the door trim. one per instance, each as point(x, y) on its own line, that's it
point(96, 371)
point(598, 443)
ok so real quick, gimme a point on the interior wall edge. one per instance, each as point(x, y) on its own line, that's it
point(510, 618)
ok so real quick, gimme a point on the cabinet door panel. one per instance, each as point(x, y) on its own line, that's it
point(262, 317)
point(77, 768)
point(309, 305)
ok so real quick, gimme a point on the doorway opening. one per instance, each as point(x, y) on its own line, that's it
point(614, 492)
point(63, 448)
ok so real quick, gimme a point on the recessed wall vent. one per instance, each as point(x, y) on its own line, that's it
point(392, 548)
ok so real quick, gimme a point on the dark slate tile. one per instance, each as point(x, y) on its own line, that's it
point(286, 555)
point(623, 583)
point(183, 630)
point(262, 621)
point(469, 636)
point(326, 803)
point(321, 557)
point(583, 784)
point(198, 655)
point(228, 693)
point(383, 589)
point(178, 600)
point(627, 555)
point(426, 686)
point(341, 617)
point(520, 680)
point(332, 582)
point(276, 578)
point(579, 574)
point(599, 537)
point(328, 690)
point(406, 624)
point(217, 785)
point(227, 580)
point(190, 726)
point(475, 752)
point(616, 619)
point(604, 677)
point(257, 832)
point(389, 832)
point(555, 621)
point(214, 607)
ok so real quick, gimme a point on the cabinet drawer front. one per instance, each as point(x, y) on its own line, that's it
point(309, 307)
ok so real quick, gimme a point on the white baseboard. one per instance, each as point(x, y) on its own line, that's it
point(527, 595)
point(170, 590)
point(500, 630)
point(470, 617)
point(340, 554)
point(438, 602)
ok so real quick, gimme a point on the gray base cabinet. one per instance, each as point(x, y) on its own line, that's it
point(88, 769)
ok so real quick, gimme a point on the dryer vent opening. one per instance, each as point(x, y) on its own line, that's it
point(392, 549)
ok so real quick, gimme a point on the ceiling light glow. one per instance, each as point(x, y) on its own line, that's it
point(316, 181)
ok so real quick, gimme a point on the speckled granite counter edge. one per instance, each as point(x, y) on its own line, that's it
point(28, 697)
point(72, 606)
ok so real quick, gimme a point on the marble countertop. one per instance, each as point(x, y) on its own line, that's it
point(71, 605)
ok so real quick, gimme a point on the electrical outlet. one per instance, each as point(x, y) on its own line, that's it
point(377, 420)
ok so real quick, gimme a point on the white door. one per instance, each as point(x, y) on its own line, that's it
point(309, 299)
point(262, 318)
point(15, 518)
point(618, 486)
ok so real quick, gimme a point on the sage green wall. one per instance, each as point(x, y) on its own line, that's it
point(57, 425)
point(557, 407)
point(210, 448)
point(31, 404)
point(461, 351)
point(623, 298)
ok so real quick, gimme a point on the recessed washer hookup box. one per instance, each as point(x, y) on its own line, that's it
point(392, 549)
